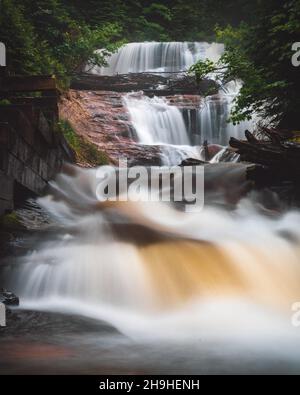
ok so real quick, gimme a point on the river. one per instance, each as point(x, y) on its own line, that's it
point(145, 287)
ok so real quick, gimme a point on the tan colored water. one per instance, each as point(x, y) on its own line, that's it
point(141, 266)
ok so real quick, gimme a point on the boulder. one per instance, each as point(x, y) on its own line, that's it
point(192, 162)
point(9, 298)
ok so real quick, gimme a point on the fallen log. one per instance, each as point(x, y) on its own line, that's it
point(279, 158)
point(158, 84)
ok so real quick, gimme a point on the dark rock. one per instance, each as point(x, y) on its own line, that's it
point(174, 83)
point(213, 150)
point(192, 162)
point(9, 298)
point(99, 115)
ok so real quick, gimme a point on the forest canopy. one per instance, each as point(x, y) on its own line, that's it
point(260, 54)
point(58, 36)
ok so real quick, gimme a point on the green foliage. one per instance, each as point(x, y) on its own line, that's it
point(259, 53)
point(18, 35)
point(42, 38)
point(203, 68)
point(271, 83)
point(85, 151)
point(60, 36)
point(57, 36)
point(4, 102)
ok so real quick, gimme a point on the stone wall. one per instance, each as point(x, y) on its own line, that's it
point(31, 152)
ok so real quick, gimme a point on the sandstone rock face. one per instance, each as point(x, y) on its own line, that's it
point(101, 117)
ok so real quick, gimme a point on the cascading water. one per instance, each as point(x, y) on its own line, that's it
point(154, 272)
point(157, 122)
point(212, 118)
point(188, 279)
point(158, 57)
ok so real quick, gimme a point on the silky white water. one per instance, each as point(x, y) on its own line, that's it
point(214, 114)
point(214, 273)
point(158, 57)
point(231, 270)
point(155, 121)
point(158, 122)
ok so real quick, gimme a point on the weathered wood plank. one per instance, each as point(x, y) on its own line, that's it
point(28, 84)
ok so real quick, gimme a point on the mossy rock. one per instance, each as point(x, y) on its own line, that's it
point(85, 151)
point(4, 102)
point(296, 137)
point(11, 221)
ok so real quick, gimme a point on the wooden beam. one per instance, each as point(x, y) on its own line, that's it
point(28, 84)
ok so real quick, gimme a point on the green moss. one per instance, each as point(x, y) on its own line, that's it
point(10, 220)
point(296, 137)
point(85, 151)
point(4, 102)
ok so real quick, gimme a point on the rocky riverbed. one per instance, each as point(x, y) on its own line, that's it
point(102, 118)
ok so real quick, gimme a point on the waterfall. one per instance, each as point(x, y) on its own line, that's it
point(155, 121)
point(158, 57)
point(220, 280)
point(212, 118)
point(163, 284)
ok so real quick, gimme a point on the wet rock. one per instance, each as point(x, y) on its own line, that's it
point(122, 117)
point(151, 84)
point(9, 298)
point(192, 162)
point(25, 323)
point(102, 119)
point(213, 150)
point(99, 115)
